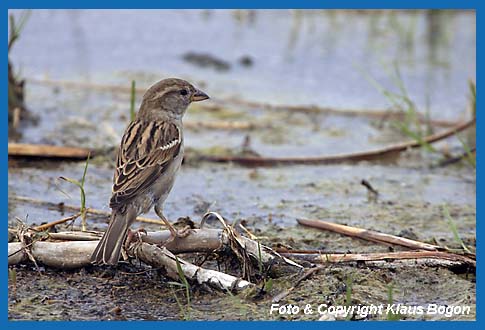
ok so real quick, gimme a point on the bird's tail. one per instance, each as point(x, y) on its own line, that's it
point(109, 247)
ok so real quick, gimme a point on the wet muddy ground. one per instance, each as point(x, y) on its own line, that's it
point(131, 294)
point(413, 190)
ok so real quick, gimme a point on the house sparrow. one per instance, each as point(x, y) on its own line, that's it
point(148, 160)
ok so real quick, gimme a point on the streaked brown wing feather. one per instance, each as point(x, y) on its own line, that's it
point(145, 150)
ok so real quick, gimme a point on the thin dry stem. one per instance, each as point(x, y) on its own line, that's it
point(57, 222)
point(370, 155)
point(368, 235)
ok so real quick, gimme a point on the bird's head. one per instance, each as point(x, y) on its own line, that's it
point(170, 97)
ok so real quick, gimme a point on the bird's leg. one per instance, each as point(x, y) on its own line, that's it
point(172, 229)
point(174, 233)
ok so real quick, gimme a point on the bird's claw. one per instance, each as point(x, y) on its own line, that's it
point(132, 234)
point(176, 234)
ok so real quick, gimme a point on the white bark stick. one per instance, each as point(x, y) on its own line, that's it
point(76, 254)
point(63, 255)
point(199, 240)
point(161, 257)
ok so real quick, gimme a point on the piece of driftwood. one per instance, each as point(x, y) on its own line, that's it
point(48, 151)
point(370, 155)
point(67, 250)
point(161, 257)
point(215, 103)
point(368, 235)
point(76, 254)
point(62, 255)
point(404, 258)
point(61, 244)
point(200, 240)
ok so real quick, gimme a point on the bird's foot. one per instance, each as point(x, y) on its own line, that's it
point(184, 232)
point(177, 233)
point(134, 234)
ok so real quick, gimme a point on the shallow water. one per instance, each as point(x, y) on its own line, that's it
point(299, 57)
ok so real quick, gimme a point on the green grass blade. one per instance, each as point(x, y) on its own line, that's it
point(83, 179)
point(184, 281)
point(473, 97)
point(469, 154)
point(453, 228)
point(75, 182)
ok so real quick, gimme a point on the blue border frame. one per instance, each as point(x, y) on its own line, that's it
point(243, 4)
point(246, 4)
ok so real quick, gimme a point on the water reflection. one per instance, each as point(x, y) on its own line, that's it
point(439, 29)
point(298, 56)
point(80, 44)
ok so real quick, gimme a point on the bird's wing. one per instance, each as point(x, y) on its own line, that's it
point(146, 149)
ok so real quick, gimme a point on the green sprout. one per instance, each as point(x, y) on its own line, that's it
point(454, 230)
point(470, 157)
point(17, 27)
point(185, 284)
point(473, 97)
point(390, 300)
point(80, 184)
point(411, 125)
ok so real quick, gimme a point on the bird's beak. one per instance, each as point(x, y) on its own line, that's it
point(199, 96)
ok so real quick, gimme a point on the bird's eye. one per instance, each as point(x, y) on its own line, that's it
point(183, 92)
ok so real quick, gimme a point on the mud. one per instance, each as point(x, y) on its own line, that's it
point(131, 292)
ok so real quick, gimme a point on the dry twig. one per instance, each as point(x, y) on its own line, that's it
point(47, 151)
point(371, 155)
point(369, 235)
point(57, 222)
point(430, 258)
